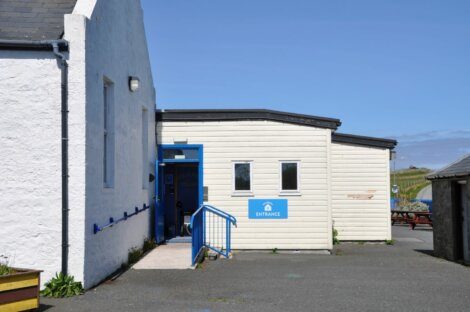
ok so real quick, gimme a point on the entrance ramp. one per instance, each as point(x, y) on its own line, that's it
point(167, 257)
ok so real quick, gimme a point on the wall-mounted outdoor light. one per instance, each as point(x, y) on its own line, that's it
point(134, 83)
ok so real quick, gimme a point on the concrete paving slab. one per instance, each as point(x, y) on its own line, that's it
point(167, 257)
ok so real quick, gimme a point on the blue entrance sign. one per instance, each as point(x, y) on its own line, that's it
point(267, 208)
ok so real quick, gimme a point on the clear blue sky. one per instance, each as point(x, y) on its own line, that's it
point(385, 68)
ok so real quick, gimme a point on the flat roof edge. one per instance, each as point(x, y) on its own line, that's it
point(246, 114)
point(363, 140)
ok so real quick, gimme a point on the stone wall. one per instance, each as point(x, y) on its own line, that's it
point(30, 160)
point(444, 220)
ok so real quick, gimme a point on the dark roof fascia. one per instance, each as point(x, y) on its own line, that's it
point(245, 114)
point(363, 140)
point(42, 45)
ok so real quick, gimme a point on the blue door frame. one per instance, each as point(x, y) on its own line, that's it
point(159, 182)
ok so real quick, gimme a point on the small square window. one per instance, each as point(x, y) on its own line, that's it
point(289, 176)
point(242, 177)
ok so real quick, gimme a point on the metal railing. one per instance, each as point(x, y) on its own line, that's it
point(112, 221)
point(211, 229)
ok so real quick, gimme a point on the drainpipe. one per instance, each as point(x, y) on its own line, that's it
point(57, 46)
point(65, 158)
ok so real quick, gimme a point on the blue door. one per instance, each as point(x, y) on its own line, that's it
point(159, 208)
point(170, 156)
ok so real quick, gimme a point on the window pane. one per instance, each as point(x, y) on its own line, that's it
point(242, 177)
point(108, 134)
point(289, 176)
point(180, 154)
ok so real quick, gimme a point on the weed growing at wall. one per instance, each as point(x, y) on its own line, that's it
point(390, 242)
point(62, 286)
point(149, 244)
point(134, 255)
point(335, 237)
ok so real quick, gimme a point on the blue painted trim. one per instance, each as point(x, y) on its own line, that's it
point(97, 228)
point(158, 195)
point(173, 161)
point(181, 146)
point(158, 185)
point(201, 174)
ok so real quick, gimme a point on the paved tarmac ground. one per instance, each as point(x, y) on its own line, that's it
point(360, 277)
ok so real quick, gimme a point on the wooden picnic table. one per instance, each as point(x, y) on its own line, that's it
point(411, 217)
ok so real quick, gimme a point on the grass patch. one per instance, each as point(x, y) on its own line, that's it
point(274, 251)
point(390, 242)
point(410, 182)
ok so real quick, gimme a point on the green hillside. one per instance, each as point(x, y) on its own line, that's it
point(409, 181)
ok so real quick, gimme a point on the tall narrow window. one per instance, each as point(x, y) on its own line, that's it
point(289, 176)
point(145, 130)
point(242, 176)
point(108, 133)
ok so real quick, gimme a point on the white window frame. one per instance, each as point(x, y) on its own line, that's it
point(289, 192)
point(242, 192)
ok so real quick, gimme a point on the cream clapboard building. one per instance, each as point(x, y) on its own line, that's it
point(324, 178)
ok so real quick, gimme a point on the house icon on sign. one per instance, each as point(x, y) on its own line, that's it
point(268, 207)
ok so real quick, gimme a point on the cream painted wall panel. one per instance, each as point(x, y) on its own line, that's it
point(264, 143)
point(358, 172)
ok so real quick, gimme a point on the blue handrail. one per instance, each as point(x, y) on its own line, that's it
point(205, 235)
point(97, 228)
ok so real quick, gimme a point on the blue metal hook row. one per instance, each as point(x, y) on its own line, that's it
point(97, 228)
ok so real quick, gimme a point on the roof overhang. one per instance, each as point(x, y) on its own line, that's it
point(363, 140)
point(457, 176)
point(246, 114)
point(459, 169)
point(42, 45)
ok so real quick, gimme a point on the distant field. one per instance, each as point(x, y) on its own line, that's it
point(410, 182)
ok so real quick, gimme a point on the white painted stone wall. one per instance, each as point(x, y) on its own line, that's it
point(114, 47)
point(30, 167)
point(106, 38)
